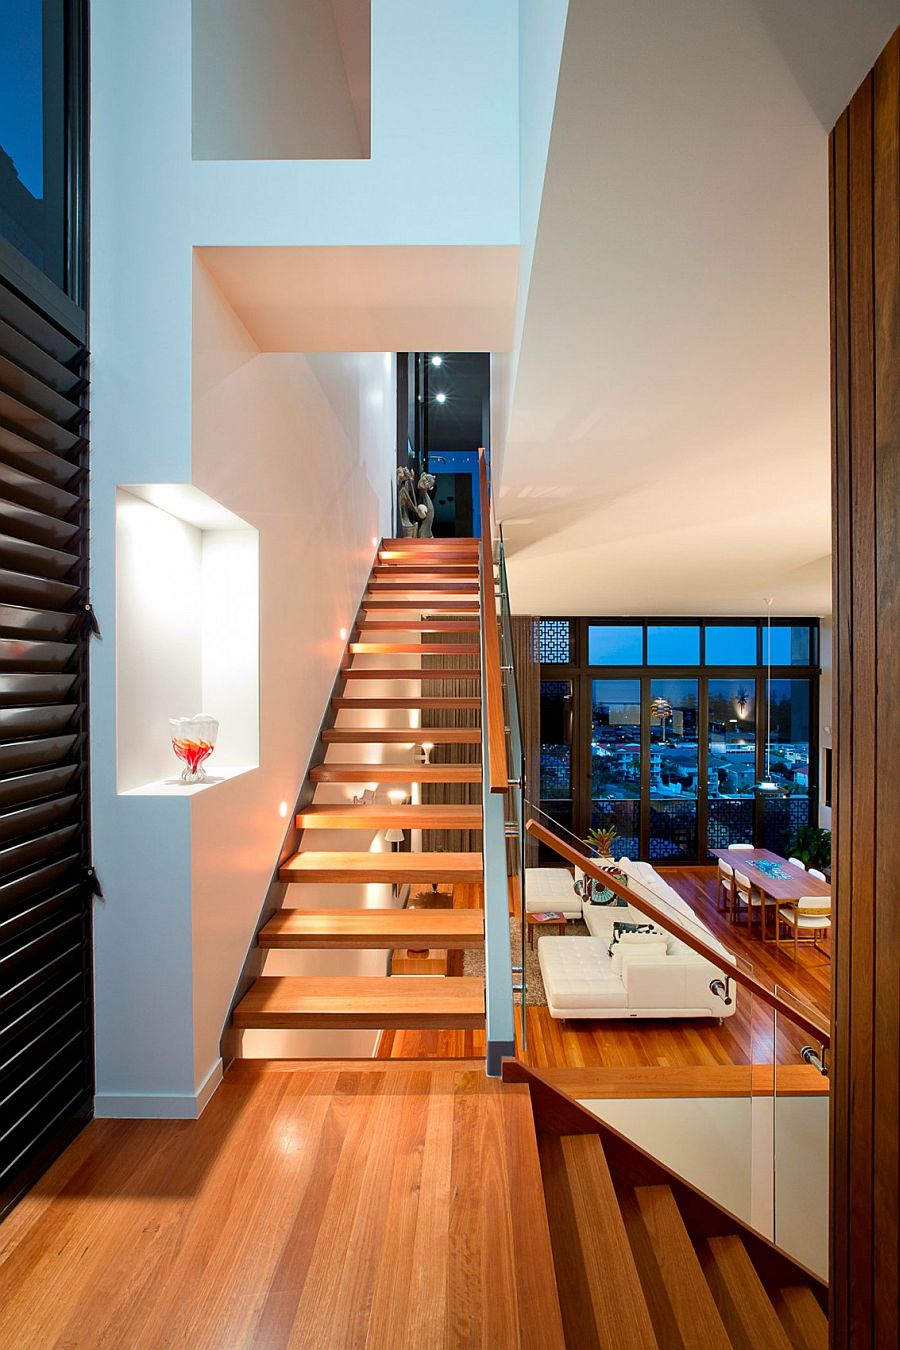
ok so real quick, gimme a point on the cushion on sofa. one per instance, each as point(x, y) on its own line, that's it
point(578, 973)
point(549, 888)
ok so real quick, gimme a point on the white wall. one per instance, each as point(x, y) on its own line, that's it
point(299, 447)
point(270, 80)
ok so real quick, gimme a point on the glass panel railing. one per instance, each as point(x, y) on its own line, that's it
point(801, 1105)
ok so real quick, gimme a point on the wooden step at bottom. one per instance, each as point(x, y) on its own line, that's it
point(439, 702)
point(681, 1306)
point(428, 607)
point(600, 1292)
point(385, 867)
point(369, 1002)
point(396, 773)
point(366, 929)
point(802, 1318)
point(376, 817)
point(744, 1306)
point(402, 736)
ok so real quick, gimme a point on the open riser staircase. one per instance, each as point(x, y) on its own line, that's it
point(643, 1259)
point(422, 601)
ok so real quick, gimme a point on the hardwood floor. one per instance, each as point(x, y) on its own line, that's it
point(328, 1205)
point(671, 1043)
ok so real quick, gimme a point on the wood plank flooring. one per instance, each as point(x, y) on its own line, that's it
point(311, 1207)
point(673, 1043)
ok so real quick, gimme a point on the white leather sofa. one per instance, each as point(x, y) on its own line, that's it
point(551, 888)
point(648, 975)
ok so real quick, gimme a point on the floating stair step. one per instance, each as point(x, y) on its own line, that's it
point(423, 703)
point(428, 607)
point(366, 1001)
point(681, 1306)
point(463, 541)
point(802, 1318)
point(402, 735)
point(605, 1304)
point(745, 1308)
point(419, 625)
point(415, 569)
point(413, 649)
point(396, 773)
point(369, 929)
point(399, 867)
point(410, 673)
point(411, 817)
point(430, 585)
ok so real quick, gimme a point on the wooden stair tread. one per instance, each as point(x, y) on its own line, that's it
point(374, 817)
point(447, 929)
point(373, 1002)
point(438, 701)
point(600, 1291)
point(437, 606)
point(413, 569)
point(418, 626)
point(396, 773)
point(414, 648)
point(399, 867)
point(402, 735)
point(681, 1305)
point(801, 1316)
point(410, 673)
point(745, 1308)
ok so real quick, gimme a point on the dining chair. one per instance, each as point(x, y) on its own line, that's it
point(745, 894)
point(740, 846)
point(725, 886)
point(820, 876)
point(809, 914)
point(796, 862)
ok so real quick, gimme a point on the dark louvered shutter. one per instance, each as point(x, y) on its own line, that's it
point(46, 1032)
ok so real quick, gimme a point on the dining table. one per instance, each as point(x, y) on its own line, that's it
point(778, 881)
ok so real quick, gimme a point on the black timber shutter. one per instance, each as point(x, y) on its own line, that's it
point(46, 1025)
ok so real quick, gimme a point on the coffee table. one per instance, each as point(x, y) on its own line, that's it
point(547, 919)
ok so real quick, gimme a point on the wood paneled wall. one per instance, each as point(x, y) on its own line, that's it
point(865, 290)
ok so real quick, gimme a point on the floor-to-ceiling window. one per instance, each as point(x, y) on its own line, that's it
point(664, 728)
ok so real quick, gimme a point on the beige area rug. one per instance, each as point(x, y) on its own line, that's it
point(473, 963)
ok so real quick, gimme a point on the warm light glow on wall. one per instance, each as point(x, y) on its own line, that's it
point(283, 810)
point(343, 635)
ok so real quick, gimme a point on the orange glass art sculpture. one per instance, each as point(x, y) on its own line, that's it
point(193, 742)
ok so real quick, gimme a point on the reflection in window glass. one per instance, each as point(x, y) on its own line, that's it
point(730, 645)
point(616, 740)
point(615, 644)
point(556, 740)
point(673, 738)
point(731, 759)
point(673, 645)
point(790, 645)
point(789, 736)
point(32, 132)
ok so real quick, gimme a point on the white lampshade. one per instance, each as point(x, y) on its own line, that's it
point(394, 836)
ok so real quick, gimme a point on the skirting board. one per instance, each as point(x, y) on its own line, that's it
point(145, 1106)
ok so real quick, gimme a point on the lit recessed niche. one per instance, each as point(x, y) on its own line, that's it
point(187, 634)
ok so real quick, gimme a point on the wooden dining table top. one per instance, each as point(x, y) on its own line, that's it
point(798, 883)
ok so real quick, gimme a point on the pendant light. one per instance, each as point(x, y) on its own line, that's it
point(766, 784)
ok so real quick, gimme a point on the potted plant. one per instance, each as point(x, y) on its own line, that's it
point(812, 845)
point(600, 842)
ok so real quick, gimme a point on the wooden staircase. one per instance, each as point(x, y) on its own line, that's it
point(422, 596)
point(643, 1259)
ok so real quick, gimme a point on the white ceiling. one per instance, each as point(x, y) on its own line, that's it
point(371, 299)
point(669, 433)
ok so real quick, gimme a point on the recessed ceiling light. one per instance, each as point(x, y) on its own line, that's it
point(437, 360)
point(440, 398)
